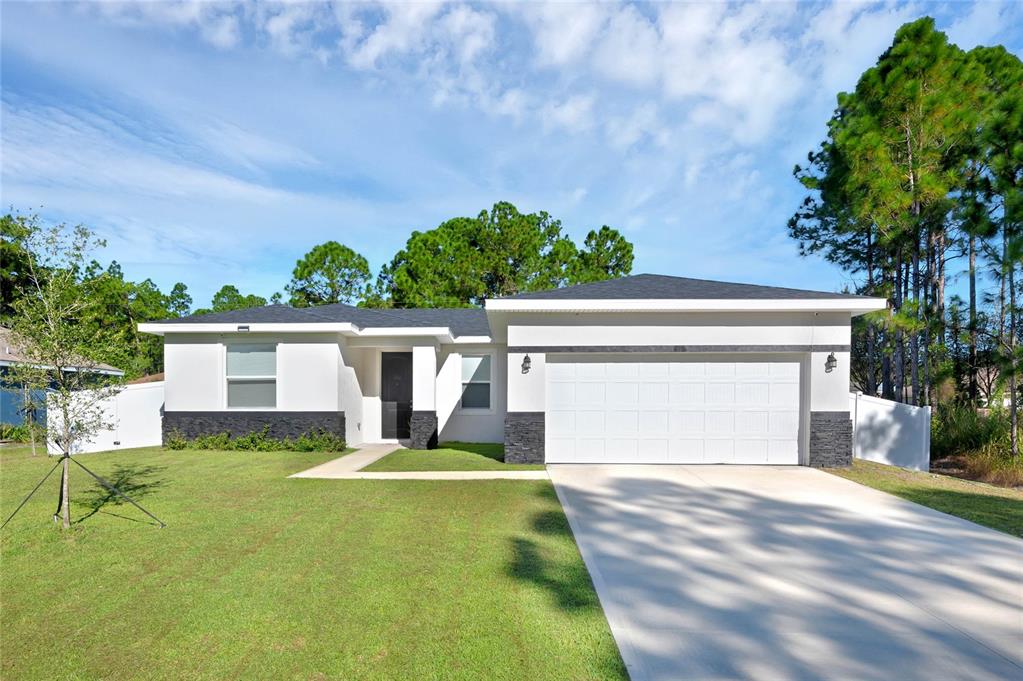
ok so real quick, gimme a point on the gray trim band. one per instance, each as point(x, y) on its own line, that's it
point(679, 348)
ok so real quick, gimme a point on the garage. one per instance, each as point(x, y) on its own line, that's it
point(667, 409)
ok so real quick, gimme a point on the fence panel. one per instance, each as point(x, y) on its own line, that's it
point(891, 433)
point(136, 413)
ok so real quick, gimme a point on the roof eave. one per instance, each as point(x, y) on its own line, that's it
point(441, 333)
point(855, 306)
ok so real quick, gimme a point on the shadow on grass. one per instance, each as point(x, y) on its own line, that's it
point(566, 579)
point(490, 450)
point(133, 480)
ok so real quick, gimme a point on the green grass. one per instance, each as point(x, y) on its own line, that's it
point(995, 507)
point(260, 576)
point(450, 456)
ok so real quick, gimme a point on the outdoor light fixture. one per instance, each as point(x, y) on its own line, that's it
point(526, 363)
point(243, 327)
point(830, 363)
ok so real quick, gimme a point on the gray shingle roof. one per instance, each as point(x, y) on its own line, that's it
point(661, 287)
point(461, 321)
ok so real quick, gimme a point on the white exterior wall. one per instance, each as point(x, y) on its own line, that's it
point(679, 328)
point(526, 392)
point(424, 378)
point(194, 373)
point(453, 423)
point(307, 371)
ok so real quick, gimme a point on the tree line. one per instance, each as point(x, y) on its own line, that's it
point(917, 186)
point(459, 263)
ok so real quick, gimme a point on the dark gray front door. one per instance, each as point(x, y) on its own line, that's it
point(395, 395)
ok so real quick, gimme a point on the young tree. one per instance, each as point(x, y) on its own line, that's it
point(64, 355)
point(329, 273)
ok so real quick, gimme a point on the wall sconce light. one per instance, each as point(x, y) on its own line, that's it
point(830, 363)
point(526, 364)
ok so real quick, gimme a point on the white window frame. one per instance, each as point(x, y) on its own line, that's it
point(462, 383)
point(228, 378)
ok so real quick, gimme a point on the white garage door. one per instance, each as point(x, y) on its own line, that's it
point(672, 412)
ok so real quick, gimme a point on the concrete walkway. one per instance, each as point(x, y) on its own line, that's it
point(349, 467)
point(742, 572)
point(349, 463)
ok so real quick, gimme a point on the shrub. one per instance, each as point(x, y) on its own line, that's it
point(22, 432)
point(260, 441)
point(960, 428)
point(979, 442)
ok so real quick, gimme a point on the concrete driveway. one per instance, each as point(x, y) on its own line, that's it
point(734, 572)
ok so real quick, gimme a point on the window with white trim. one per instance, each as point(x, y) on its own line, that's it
point(475, 382)
point(252, 376)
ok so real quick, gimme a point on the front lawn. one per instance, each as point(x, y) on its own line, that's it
point(450, 456)
point(261, 576)
point(994, 507)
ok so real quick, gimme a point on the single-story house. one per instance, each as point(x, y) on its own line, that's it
point(642, 369)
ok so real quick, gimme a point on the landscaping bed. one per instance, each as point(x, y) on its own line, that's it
point(261, 576)
point(449, 456)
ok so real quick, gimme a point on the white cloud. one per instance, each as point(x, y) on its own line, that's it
point(643, 122)
point(563, 33)
point(574, 114)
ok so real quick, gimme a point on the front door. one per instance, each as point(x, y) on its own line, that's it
point(395, 395)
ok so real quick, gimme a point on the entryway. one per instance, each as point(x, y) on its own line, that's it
point(395, 395)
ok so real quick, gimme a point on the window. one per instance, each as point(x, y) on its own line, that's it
point(252, 376)
point(476, 382)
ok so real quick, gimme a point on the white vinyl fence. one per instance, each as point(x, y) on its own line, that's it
point(891, 433)
point(137, 414)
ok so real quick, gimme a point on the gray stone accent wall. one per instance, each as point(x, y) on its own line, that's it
point(524, 433)
point(423, 430)
point(282, 423)
point(830, 439)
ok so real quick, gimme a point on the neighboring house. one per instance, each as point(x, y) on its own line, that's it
point(643, 369)
point(16, 403)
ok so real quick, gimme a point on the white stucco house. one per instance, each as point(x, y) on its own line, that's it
point(642, 369)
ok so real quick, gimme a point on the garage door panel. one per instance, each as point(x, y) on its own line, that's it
point(687, 370)
point(750, 451)
point(562, 422)
point(753, 394)
point(673, 412)
point(719, 450)
point(557, 371)
point(653, 422)
point(652, 450)
point(591, 393)
point(784, 394)
point(690, 450)
point(751, 422)
point(687, 394)
point(623, 370)
point(622, 422)
point(782, 451)
point(720, 422)
point(653, 394)
point(721, 393)
point(591, 422)
point(561, 394)
point(623, 394)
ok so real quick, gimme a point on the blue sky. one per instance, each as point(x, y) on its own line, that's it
point(216, 143)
